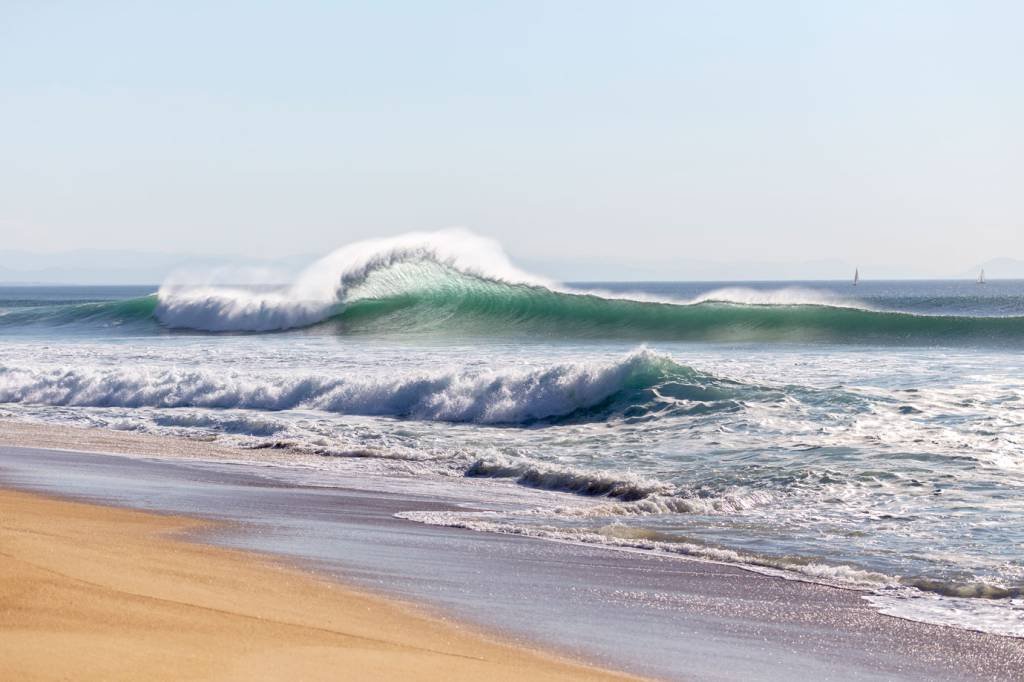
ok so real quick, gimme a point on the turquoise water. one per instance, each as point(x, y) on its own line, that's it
point(868, 436)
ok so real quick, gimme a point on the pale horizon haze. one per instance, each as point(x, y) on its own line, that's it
point(580, 135)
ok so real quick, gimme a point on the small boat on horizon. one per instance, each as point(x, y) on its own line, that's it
point(981, 276)
point(856, 276)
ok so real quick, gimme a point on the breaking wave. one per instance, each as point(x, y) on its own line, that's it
point(379, 269)
point(624, 493)
point(456, 283)
point(614, 485)
point(641, 385)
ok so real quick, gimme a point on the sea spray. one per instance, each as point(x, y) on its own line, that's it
point(325, 285)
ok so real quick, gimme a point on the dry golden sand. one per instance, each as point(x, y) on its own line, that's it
point(96, 593)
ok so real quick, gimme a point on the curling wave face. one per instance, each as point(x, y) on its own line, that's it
point(455, 283)
point(326, 287)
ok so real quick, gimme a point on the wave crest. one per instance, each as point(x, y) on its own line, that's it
point(324, 287)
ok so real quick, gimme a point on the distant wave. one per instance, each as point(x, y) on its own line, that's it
point(456, 283)
point(641, 385)
point(133, 313)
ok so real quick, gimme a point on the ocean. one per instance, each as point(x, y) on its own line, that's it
point(866, 436)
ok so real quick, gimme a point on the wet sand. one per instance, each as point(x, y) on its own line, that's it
point(97, 593)
point(647, 614)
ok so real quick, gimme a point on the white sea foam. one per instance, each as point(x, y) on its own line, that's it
point(506, 396)
point(1000, 617)
point(621, 537)
point(781, 296)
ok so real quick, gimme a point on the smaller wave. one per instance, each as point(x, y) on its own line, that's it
point(628, 494)
point(128, 313)
point(641, 382)
point(237, 425)
point(590, 483)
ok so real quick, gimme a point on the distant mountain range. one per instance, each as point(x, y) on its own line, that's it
point(98, 266)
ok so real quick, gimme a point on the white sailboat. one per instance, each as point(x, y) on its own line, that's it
point(981, 276)
point(856, 276)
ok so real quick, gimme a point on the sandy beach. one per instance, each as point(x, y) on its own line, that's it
point(96, 593)
point(173, 586)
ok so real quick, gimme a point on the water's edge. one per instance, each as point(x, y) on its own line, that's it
point(372, 514)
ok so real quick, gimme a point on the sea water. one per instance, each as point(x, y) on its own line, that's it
point(866, 436)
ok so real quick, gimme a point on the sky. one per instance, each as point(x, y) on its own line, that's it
point(581, 135)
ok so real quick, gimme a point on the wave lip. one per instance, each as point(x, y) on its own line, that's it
point(323, 288)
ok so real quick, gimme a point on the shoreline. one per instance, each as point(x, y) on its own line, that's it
point(137, 599)
point(655, 616)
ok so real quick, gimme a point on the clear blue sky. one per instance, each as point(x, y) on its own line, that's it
point(578, 131)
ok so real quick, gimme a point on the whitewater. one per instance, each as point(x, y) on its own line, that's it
point(864, 436)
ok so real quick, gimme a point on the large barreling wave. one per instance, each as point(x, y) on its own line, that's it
point(456, 283)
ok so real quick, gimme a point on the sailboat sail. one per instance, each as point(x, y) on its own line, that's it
point(856, 276)
point(981, 276)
